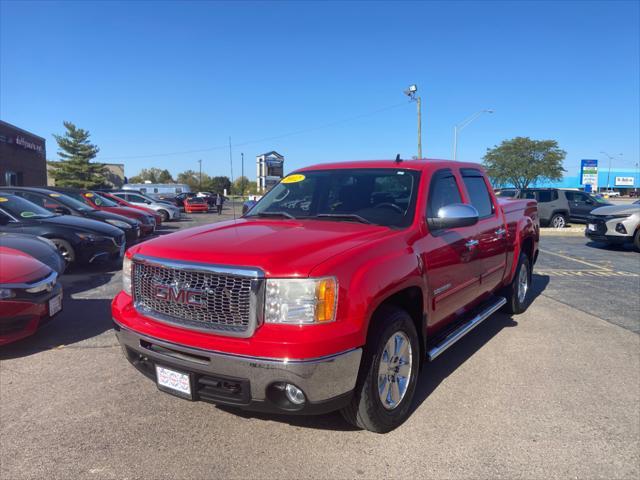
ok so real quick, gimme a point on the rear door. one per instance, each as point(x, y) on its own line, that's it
point(449, 255)
point(491, 234)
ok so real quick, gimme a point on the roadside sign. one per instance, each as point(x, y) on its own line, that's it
point(624, 182)
point(589, 173)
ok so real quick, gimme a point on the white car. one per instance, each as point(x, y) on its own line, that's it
point(611, 193)
point(165, 209)
point(615, 224)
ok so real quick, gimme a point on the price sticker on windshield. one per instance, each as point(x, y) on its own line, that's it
point(4, 199)
point(54, 194)
point(89, 195)
point(298, 177)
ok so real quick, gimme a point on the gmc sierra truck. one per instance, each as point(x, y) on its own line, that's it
point(332, 292)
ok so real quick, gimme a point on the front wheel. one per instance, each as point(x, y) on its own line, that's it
point(164, 214)
point(66, 250)
point(558, 221)
point(517, 293)
point(388, 373)
point(636, 240)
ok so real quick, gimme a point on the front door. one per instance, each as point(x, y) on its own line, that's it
point(449, 256)
point(580, 205)
point(492, 236)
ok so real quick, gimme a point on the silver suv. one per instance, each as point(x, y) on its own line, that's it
point(615, 224)
point(165, 209)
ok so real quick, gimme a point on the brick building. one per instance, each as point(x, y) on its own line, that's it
point(22, 157)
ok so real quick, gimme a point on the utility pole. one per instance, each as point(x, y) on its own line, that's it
point(200, 180)
point(610, 157)
point(458, 128)
point(411, 93)
point(242, 175)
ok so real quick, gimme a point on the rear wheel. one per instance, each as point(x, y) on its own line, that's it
point(164, 214)
point(518, 292)
point(558, 221)
point(65, 249)
point(388, 373)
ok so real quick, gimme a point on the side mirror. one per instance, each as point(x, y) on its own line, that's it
point(455, 215)
point(62, 211)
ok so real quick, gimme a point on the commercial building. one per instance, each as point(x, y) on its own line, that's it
point(269, 170)
point(22, 157)
point(600, 178)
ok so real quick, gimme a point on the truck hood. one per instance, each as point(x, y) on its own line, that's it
point(279, 247)
point(629, 209)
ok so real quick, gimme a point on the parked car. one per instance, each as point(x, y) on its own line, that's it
point(94, 200)
point(331, 292)
point(122, 202)
point(78, 239)
point(40, 248)
point(196, 204)
point(30, 295)
point(557, 206)
point(181, 197)
point(62, 204)
point(615, 225)
point(164, 209)
point(610, 193)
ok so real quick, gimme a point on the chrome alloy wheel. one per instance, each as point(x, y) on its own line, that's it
point(394, 372)
point(523, 283)
point(559, 222)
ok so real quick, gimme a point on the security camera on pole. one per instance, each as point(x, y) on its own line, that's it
point(411, 93)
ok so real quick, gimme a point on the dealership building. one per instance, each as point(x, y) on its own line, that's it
point(22, 157)
point(593, 177)
point(269, 170)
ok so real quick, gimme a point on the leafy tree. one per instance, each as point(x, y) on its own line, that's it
point(76, 152)
point(241, 185)
point(219, 184)
point(522, 161)
point(192, 178)
point(153, 175)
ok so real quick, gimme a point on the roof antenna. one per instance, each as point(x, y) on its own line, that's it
point(233, 205)
point(398, 159)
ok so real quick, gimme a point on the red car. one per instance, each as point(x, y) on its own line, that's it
point(196, 204)
point(94, 200)
point(29, 295)
point(123, 203)
point(332, 292)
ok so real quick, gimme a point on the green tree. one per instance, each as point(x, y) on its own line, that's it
point(241, 185)
point(153, 175)
point(192, 178)
point(74, 169)
point(219, 184)
point(522, 161)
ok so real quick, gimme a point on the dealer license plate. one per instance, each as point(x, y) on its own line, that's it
point(55, 305)
point(591, 227)
point(174, 382)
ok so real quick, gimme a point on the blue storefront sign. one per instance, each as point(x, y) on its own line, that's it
point(589, 174)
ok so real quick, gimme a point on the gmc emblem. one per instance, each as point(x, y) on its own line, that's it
point(178, 294)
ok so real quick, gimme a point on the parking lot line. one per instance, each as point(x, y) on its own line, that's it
point(567, 257)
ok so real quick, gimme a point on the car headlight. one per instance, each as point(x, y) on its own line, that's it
point(301, 301)
point(118, 223)
point(90, 237)
point(126, 275)
point(6, 293)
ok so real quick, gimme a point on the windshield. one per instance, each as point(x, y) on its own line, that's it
point(506, 193)
point(71, 202)
point(598, 199)
point(101, 201)
point(21, 208)
point(378, 196)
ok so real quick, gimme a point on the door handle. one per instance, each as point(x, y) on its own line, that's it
point(500, 232)
point(471, 244)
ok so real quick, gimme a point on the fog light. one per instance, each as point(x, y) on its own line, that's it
point(620, 229)
point(294, 394)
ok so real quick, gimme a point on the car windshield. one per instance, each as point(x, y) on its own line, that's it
point(382, 196)
point(100, 200)
point(20, 208)
point(197, 200)
point(598, 199)
point(71, 202)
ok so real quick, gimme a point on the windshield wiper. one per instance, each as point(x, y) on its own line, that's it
point(272, 214)
point(344, 216)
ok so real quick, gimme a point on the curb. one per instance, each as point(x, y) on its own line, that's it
point(563, 231)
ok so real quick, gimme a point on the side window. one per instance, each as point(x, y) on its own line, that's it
point(529, 194)
point(545, 196)
point(570, 196)
point(443, 191)
point(478, 192)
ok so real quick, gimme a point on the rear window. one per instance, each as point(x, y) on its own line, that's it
point(542, 196)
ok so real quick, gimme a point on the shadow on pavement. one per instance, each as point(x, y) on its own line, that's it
point(627, 247)
point(431, 376)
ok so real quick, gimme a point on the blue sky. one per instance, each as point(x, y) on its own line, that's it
point(154, 78)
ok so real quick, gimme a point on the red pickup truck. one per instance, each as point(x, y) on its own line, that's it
point(331, 292)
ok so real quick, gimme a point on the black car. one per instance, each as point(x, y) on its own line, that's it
point(62, 204)
point(78, 239)
point(40, 248)
point(181, 197)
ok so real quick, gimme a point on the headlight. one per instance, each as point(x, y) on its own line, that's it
point(6, 293)
point(126, 275)
point(301, 301)
point(119, 223)
point(91, 237)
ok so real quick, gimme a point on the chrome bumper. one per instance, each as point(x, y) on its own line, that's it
point(321, 379)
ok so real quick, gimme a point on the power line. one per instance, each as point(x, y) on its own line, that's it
point(265, 139)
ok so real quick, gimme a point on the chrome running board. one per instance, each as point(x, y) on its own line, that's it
point(465, 328)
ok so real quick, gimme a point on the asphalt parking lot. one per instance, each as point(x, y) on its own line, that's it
point(552, 393)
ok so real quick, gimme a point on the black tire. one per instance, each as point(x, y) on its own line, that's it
point(164, 214)
point(636, 240)
point(366, 409)
point(516, 301)
point(558, 220)
point(66, 250)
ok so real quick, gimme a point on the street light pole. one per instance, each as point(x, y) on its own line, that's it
point(200, 179)
point(411, 93)
point(457, 128)
point(242, 175)
point(610, 157)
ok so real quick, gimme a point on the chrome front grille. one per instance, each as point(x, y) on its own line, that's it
point(226, 300)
